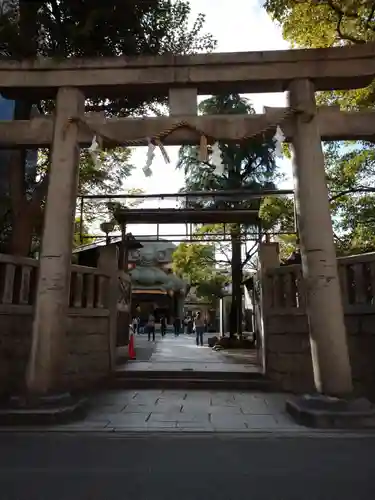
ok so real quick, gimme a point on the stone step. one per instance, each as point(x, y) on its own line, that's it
point(45, 414)
point(189, 374)
point(227, 384)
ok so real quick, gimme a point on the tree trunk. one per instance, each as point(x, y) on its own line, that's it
point(236, 306)
point(24, 212)
point(22, 233)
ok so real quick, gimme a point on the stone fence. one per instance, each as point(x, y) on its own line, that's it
point(91, 325)
point(286, 333)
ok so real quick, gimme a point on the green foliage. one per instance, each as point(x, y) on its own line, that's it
point(195, 262)
point(93, 28)
point(77, 234)
point(212, 288)
point(277, 214)
point(350, 166)
point(323, 24)
point(277, 211)
point(248, 165)
point(87, 28)
point(104, 176)
point(351, 179)
point(312, 24)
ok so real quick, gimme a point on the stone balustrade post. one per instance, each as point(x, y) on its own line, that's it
point(269, 255)
point(108, 263)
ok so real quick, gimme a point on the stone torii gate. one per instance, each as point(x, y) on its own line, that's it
point(301, 72)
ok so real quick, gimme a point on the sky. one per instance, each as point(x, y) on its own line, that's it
point(248, 29)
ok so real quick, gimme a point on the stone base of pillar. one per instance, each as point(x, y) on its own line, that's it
point(43, 410)
point(325, 412)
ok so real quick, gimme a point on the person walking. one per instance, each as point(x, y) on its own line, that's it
point(199, 328)
point(177, 326)
point(151, 327)
point(163, 326)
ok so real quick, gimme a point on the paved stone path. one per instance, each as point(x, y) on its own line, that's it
point(182, 410)
point(177, 411)
point(182, 353)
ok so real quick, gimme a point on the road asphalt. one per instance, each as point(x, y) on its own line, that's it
point(185, 467)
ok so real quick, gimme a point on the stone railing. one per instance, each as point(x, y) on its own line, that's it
point(88, 286)
point(17, 283)
point(89, 290)
point(286, 332)
point(88, 322)
point(285, 286)
point(283, 290)
point(357, 280)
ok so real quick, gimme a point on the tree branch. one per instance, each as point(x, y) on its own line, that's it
point(351, 191)
point(341, 14)
point(250, 253)
point(216, 261)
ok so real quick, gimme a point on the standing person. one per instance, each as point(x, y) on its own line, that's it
point(177, 326)
point(135, 325)
point(163, 326)
point(151, 327)
point(189, 323)
point(199, 328)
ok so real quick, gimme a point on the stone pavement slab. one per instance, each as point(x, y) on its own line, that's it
point(180, 411)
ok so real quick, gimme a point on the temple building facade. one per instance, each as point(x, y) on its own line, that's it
point(155, 288)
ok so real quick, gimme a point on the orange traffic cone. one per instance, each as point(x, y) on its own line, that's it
point(132, 348)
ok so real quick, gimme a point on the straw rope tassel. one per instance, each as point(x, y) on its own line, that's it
point(203, 151)
point(163, 150)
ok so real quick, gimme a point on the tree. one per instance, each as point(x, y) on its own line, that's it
point(328, 23)
point(277, 214)
point(26, 199)
point(325, 22)
point(351, 181)
point(249, 165)
point(81, 230)
point(66, 28)
point(215, 233)
point(196, 263)
point(350, 166)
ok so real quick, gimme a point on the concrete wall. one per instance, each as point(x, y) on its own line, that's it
point(287, 345)
point(88, 346)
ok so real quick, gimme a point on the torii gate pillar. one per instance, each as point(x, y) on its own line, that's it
point(52, 300)
point(330, 357)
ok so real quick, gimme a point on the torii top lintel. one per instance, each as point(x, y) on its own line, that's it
point(245, 72)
